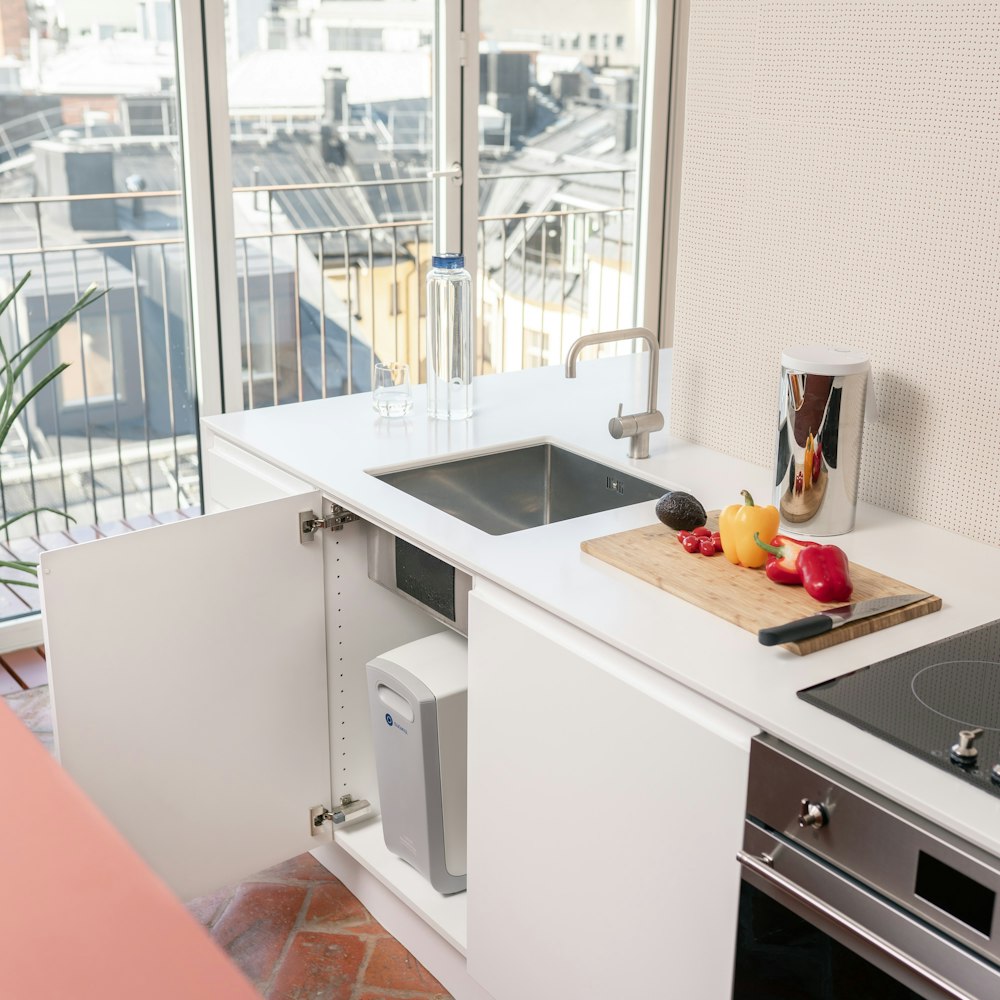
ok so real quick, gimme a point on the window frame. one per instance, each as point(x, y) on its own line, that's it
point(207, 168)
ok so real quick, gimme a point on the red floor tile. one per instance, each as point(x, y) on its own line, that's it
point(208, 909)
point(256, 925)
point(319, 967)
point(392, 967)
point(332, 904)
point(303, 867)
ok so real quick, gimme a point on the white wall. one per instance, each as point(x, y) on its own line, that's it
point(841, 184)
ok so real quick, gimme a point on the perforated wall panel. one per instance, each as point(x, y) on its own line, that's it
point(841, 185)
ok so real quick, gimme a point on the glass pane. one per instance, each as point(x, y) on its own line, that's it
point(559, 132)
point(330, 107)
point(88, 107)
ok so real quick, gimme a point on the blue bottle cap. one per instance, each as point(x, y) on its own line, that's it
point(449, 261)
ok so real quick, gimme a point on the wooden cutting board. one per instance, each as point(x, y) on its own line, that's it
point(744, 596)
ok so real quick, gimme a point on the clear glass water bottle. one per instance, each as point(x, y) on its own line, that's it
point(450, 353)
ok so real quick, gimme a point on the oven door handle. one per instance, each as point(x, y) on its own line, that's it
point(761, 867)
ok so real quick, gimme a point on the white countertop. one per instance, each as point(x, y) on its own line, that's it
point(334, 444)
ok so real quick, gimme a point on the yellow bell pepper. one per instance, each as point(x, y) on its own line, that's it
point(737, 525)
point(807, 462)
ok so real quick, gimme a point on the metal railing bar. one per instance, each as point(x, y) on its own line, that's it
point(600, 275)
point(395, 300)
point(545, 274)
point(371, 289)
point(350, 316)
point(272, 314)
point(114, 379)
point(296, 288)
point(524, 291)
point(110, 245)
point(562, 284)
point(246, 324)
point(481, 277)
point(322, 318)
point(553, 214)
point(621, 234)
point(45, 290)
point(503, 308)
point(142, 371)
point(517, 175)
point(169, 368)
point(83, 381)
point(583, 274)
point(47, 199)
point(28, 449)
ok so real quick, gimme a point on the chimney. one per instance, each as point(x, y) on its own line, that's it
point(335, 97)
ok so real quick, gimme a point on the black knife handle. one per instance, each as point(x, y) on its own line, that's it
point(803, 628)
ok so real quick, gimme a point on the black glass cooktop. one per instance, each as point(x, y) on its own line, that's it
point(921, 700)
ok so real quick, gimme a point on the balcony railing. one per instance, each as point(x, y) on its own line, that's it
point(115, 435)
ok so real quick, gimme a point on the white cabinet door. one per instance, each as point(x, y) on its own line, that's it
point(188, 673)
point(605, 812)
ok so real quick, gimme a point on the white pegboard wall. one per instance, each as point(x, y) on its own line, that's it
point(841, 185)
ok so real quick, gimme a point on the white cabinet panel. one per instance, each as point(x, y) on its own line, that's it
point(605, 813)
point(188, 673)
point(235, 478)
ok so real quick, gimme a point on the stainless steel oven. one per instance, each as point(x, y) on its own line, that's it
point(848, 896)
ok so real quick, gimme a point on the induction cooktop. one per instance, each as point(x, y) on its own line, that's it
point(940, 702)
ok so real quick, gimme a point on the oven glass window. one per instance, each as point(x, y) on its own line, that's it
point(779, 956)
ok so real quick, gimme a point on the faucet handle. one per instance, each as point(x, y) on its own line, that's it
point(616, 425)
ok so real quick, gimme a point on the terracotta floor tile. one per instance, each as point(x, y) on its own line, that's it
point(396, 995)
point(332, 904)
point(207, 909)
point(392, 967)
point(319, 967)
point(301, 868)
point(256, 925)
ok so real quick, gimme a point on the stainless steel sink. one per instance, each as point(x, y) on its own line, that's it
point(522, 488)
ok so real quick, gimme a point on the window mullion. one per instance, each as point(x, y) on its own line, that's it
point(654, 166)
point(209, 232)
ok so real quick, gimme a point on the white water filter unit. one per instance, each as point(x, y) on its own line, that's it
point(418, 695)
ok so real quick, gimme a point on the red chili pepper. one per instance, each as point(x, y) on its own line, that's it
point(782, 565)
point(826, 573)
point(817, 460)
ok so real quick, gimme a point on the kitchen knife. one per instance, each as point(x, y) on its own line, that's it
point(830, 618)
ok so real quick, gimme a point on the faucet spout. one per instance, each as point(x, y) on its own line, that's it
point(635, 426)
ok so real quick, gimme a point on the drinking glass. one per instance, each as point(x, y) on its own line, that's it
point(391, 395)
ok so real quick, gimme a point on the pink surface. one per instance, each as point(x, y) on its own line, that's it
point(81, 915)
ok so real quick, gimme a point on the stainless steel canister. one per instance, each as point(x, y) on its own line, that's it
point(821, 412)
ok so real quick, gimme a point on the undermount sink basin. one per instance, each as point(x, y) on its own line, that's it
point(521, 488)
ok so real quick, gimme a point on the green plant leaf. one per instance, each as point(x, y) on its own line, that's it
point(27, 398)
point(19, 583)
point(10, 298)
point(36, 510)
point(28, 567)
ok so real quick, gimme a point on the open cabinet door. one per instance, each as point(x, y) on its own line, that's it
point(188, 673)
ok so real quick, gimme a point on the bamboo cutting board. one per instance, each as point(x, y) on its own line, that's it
point(744, 596)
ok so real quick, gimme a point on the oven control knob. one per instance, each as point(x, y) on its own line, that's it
point(995, 774)
point(963, 752)
point(812, 814)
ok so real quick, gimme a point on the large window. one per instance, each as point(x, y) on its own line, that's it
point(90, 191)
point(329, 147)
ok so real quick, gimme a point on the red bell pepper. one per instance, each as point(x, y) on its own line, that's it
point(782, 564)
point(826, 573)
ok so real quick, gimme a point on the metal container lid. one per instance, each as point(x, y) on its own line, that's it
point(815, 359)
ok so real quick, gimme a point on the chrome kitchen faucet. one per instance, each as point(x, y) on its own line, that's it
point(635, 426)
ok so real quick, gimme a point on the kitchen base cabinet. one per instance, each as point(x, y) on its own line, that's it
point(208, 684)
point(606, 808)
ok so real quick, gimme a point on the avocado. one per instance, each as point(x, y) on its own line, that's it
point(680, 511)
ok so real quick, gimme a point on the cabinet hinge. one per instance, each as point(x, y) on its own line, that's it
point(310, 523)
point(349, 811)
